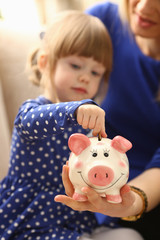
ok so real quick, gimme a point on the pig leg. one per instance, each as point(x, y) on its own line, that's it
point(79, 196)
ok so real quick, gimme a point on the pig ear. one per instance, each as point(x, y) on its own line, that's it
point(121, 144)
point(78, 142)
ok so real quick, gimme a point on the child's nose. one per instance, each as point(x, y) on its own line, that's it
point(85, 77)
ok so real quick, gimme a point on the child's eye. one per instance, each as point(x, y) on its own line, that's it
point(75, 66)
point(95, 73)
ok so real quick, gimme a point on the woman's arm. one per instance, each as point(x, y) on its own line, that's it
point(149, 181)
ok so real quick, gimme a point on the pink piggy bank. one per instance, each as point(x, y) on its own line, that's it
point(101, 165)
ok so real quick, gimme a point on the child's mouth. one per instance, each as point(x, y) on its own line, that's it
point(80, 90)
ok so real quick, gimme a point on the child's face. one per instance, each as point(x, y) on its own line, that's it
point(76, 78)
point(145, 17)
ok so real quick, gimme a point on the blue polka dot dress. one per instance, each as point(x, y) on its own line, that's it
point(38, 151)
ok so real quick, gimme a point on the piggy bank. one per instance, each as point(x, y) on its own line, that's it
point(99, 164)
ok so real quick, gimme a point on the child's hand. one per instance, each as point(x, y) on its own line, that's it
point(92, 117)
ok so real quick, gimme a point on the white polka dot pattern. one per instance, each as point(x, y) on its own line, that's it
point(39, 150)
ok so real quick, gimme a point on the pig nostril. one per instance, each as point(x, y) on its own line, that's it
point(95, 175)
point(100, 175)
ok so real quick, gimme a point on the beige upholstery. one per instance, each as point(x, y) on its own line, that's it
point(4, 136)
point(14, 85)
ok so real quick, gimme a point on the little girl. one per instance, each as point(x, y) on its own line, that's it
point(70, 65)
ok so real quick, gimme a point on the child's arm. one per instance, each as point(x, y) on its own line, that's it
point(37, 121)
point(92, 117)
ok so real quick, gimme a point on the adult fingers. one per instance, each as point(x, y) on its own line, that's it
point(95, 199)
point(128, 196)
point(75, 205)
point(69, 189)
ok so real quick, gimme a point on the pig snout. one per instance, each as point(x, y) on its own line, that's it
point(100, 175)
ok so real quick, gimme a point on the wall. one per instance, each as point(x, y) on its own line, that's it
point(47, 8)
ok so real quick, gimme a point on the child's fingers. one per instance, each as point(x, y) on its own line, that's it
point(85, 121)
point(80, 117)
point(92, 122)
point(103, 134)
point(83, 115)
point(103, 131)
point(92, 117)
point(99, 125)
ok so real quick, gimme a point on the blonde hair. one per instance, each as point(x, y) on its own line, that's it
point(74, 33)
point(123, 10)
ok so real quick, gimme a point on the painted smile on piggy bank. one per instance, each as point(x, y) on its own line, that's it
point(102, 188)
point(101, 165)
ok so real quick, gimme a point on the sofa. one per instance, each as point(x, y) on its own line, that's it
point(15, 87)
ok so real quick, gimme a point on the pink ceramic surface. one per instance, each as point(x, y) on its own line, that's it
point(101, 165)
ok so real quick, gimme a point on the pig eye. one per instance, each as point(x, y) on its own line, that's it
point(106, 154)
point(94, 154)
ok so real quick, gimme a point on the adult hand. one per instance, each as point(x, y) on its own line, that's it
point(95, 203)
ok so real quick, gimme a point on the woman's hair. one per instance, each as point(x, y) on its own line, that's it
point(123, 10)
point(73, 33)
